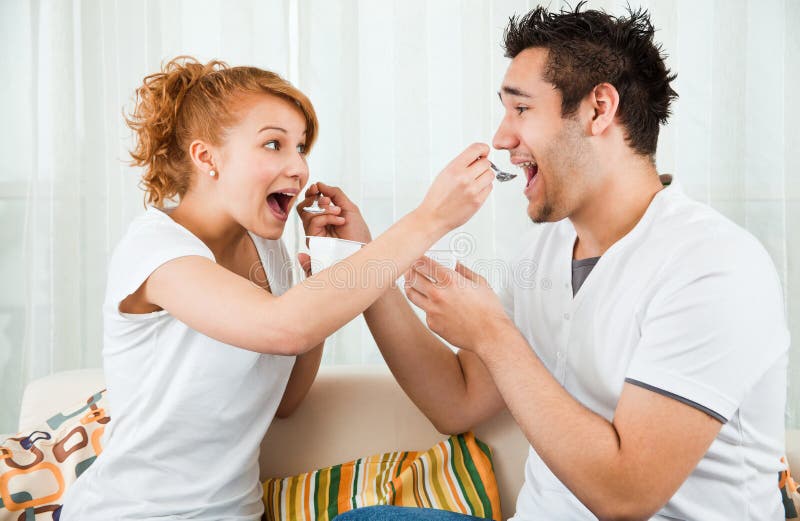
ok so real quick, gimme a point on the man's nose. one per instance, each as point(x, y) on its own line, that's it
point(505, 138)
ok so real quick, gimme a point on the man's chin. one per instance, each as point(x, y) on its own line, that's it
point(541, 214)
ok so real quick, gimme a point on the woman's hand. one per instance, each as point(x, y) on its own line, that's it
point(342, 220)
point(304, 259)
point(460, 189)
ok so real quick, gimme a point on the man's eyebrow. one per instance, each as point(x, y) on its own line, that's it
point(513, 91)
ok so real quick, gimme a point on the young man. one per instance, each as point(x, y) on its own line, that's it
point(646, 363)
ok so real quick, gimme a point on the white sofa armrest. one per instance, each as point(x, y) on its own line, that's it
point(58, 392)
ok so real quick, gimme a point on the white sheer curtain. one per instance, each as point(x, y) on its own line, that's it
point(400, 86)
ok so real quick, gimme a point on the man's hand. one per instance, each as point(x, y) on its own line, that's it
point(460, 306)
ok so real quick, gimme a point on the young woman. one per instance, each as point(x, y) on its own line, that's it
point(206, 339)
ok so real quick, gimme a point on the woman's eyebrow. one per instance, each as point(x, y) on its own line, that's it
point(270, 127)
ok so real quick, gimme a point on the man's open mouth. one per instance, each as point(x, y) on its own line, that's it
point(279, 202)
point(531, 168)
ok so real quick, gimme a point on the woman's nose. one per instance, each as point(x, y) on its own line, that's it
point(297, 167)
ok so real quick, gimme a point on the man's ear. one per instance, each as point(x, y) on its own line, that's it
point(604, 100)
point(201, 156)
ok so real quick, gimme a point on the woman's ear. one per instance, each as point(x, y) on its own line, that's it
point(604, 99)
point(202, 158)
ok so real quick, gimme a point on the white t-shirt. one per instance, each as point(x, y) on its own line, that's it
point(187, 412)
point(687, 304)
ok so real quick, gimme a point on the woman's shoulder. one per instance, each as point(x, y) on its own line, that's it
point(154, 230)
point(152, 239)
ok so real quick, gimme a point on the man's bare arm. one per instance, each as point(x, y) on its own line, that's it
point(455, 391)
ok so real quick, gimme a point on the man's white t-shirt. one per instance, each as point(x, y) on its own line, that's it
point(188, 412)
point(687, 304)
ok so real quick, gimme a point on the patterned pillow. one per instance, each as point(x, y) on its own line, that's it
point(37, 467)
point(454, 475)
point(790, 492)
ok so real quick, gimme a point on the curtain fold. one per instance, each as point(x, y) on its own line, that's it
point(400, 88)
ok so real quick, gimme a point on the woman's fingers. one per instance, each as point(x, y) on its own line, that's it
point(318, 223)
point(336, 194)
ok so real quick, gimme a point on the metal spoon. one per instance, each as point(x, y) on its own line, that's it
point(500, 175)
point(315, 208)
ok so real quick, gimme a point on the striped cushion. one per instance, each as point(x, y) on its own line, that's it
point(454, 475)
point(790, 492)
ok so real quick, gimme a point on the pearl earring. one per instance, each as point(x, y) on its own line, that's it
point(212, 173)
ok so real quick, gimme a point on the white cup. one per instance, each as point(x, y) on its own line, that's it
point(442, 252)
point(444, 257)
point(326, 251)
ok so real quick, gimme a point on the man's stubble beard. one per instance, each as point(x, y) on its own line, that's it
point(571, 139)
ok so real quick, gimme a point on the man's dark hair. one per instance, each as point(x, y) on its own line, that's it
point(586, 48)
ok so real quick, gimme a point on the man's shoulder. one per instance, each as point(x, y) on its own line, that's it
point(696, 229)
point(695, 239)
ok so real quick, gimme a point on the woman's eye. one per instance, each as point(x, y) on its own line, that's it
point(520, 110)
point(273, 145)
point(301, 149)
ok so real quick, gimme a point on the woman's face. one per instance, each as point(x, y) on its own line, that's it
point(262, 164)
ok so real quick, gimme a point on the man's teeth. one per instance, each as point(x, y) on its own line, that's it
point(527, 164)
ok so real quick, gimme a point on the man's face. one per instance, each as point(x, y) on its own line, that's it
point(553, 151)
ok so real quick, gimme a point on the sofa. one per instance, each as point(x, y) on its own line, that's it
point(350, 412)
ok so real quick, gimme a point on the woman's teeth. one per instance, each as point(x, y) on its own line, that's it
point(279, 201)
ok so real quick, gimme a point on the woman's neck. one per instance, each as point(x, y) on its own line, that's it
point(211, 224)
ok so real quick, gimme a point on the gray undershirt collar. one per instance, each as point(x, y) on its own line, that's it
point(580, 270)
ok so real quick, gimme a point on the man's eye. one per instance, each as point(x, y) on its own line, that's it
point(301, 149)
point(520, 110)
point(273, 145)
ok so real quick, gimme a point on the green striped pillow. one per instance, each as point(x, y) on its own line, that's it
point(454, 475)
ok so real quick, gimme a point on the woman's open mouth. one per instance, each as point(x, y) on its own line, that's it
point(280, 202)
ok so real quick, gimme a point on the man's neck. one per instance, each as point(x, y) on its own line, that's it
point(614, 208)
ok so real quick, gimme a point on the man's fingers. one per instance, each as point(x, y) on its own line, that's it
point(424, 265)
point(419, 282)
point(416, 298)
point(433, 270)
point(467, 273)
